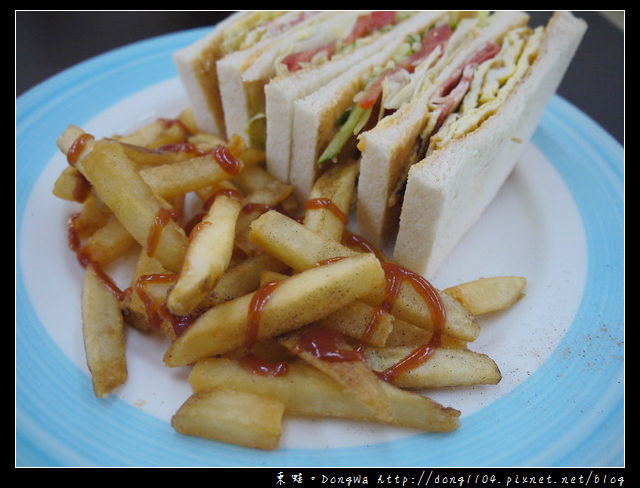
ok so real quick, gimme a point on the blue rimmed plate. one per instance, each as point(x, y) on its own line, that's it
point(558, 220)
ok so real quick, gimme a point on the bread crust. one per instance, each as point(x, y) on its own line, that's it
point(317, 96)
point(449, 190)
point(199, 78)
point(387, 147)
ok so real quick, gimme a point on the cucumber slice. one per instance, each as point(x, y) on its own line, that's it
point(357, 119)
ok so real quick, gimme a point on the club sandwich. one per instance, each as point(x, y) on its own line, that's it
point(436, 128)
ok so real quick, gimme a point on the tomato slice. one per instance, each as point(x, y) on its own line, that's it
point(364, 25)
point(434, 38)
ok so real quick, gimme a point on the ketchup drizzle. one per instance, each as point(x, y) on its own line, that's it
point(227, 161)
point(168, 123)
point(85, 260)
point(74, 241)
point(152, 307)
point(74, 152)
point(160, 221)
point(180, 147)
point(359, 243)
point(326, 344)
point(158, 311)
point(395, 276)
point(81, 189)
point(257, 207)
point(223, 155)
point(258, 301)
point(326, 203)
point(260, 366)
point(228, 192)
point(413, 360)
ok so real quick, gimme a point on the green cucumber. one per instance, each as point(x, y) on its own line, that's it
point(353, 124)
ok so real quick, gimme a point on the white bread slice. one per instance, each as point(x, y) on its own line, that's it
point(282, 91)
point(387, 147)
point(315, 116)
point(448, 191)
point(199, 79)
point(243, 74)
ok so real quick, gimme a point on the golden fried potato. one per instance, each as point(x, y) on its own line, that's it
point(233, 416)
point(103, 334)
point(487, 295)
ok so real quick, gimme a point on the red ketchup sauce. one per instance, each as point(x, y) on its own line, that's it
point(250, 362)
point(228, 192)
point(364, 25)
point(395, 276)
point(222, 154)
point(82, 187)
point(260, 366)
point(168, 123)
point(160, 221)
point(326, 344)
point(77, 147)
point(193, 226)
point(157, 311)
point(259, 300)
point(326, 203)
point(85, 260)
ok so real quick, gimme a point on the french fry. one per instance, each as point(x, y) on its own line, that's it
point(103, 334)
point(228, 415)
point(93, 215)
point(205, 142)
point(300, 247)
point(327, 208)
point(254, 180)
point(119, 185)
point(243, 278)
point(357, 320)
point(293, 243)
point(362, 322)
point(307, 391)
point(188, 121)
point(108, 243)
point(70, 185)
point(249, 155)
point(66, 140)
point(406, 334)
point(144, 157)
point(294, 302)
point(149, 286)
point(158, 133)
point(262, 192)
point(444, 368)
point(487, 295)
point(168, 180)
point(252, 289)
point(345, 366)
point(207, 256)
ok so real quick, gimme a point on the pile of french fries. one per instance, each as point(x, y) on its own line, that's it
point(277, 308)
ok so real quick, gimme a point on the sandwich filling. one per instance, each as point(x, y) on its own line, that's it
point(365, 28)
point(242, 33)
point(306, 49)
point(473, 94)
point(387, 87)
point(456, 104)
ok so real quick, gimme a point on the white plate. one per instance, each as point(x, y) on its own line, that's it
point(558, 221)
